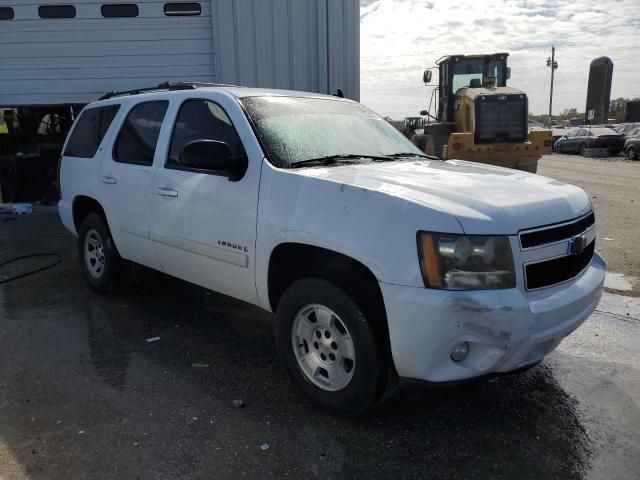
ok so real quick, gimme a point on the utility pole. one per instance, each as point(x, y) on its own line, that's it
point(551, 62)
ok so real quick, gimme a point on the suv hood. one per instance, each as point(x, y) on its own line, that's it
point(485, 199)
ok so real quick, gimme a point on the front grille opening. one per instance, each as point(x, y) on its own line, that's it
point(558, 270)
point(501, 119)
point(555, 234)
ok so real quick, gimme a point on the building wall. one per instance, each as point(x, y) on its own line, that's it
point(292, 44)
point(299, 44)
point(78, 59)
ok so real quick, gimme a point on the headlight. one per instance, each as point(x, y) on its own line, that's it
point(465, 262)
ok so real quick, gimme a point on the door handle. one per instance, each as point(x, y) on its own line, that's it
point(109, 179)
point(167, 192)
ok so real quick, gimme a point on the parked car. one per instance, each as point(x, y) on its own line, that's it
point(582, 138)
point(625, 128)
point(632, 144)
point(378, 261)
point(633, 133)
point(558, 133)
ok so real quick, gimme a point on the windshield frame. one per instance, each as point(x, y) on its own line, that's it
point(486, 64)
point(291, 166)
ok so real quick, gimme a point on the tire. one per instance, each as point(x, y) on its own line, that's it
point(531, 168)
point(582, 149)
point(435, 143)
point(99, 259)
point(419, 141)
point(315, 320)
point(632, 154)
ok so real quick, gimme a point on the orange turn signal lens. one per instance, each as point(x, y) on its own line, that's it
point(429, 262)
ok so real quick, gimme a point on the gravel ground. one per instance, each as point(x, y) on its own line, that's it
point(614, 187)
point(83, 394)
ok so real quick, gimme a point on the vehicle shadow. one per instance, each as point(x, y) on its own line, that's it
point(516, 426)
point(164, 408)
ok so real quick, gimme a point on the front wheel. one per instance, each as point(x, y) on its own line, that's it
point(583, 149)
point(632, 154)
point(531, 168)
point(330, 348)
point(435, 144)
point(419, 141)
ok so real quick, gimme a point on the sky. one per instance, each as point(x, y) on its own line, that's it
point(400, 38)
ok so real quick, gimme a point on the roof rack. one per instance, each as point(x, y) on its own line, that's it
point(165, 86)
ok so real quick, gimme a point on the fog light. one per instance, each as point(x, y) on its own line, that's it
point(460, 352)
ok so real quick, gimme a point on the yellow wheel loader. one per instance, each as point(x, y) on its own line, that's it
point(478, 117)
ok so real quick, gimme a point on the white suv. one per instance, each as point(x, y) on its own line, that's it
point(379, 262)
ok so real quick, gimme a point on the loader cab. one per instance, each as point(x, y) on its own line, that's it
point(473, 71)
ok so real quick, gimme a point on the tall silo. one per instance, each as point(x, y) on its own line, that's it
point(599, 89)
point(632, 111)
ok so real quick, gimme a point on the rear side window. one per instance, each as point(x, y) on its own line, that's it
point(57, 11)
point(182, 9)
point(89, 131)
point(137, 139)
point(6, 13)
point(115, 10)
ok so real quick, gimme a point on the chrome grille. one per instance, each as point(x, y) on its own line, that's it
point(557, 253)
point(556, 232)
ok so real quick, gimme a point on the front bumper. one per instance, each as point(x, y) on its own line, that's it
point(506, 329)
point(462, 146)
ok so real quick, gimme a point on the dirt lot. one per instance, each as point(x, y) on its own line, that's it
point(83, 395)
point(614, 187)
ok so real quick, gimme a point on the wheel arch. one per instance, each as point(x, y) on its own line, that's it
point(290, 261)
point(82, 206)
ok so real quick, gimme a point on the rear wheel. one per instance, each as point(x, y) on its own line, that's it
point(632, 154)
point(100, 262)
point(331, 349)
point(583, 149)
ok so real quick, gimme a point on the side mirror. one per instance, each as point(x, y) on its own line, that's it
point(508, 73)
point(214, 156)
point(426, 76)
point(564, 136)
point(424, 112)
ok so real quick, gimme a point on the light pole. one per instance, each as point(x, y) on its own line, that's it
point(551, 62)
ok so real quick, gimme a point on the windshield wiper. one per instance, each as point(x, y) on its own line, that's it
point(410, 154)
point(330, 159)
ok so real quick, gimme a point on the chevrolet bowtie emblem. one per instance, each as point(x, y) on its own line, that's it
point(577, 244)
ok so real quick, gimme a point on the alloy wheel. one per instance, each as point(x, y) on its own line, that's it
point(323, 347)
point(94, 253)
